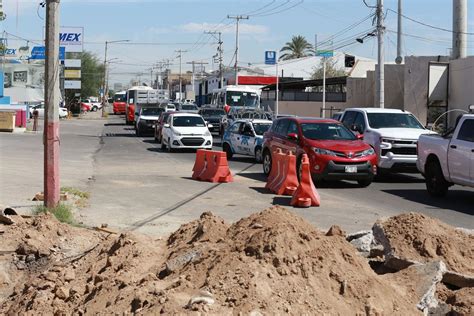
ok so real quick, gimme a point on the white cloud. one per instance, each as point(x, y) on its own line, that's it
point(244, 28)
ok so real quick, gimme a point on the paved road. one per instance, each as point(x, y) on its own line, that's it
point(135, 186)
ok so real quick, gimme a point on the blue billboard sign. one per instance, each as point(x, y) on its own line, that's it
point(270, 57)
point(39, 52)
point(325, 53)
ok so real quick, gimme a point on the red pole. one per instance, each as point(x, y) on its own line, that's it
point(51, 96)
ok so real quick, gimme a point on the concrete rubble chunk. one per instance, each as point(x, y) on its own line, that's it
point(458, 279)
point(363, 241)
point(182, 260)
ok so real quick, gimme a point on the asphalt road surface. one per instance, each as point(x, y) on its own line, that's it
point(135, 186)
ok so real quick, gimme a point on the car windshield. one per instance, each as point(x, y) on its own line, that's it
point(120, 98)
point(189, 107)
point(393, 120)
point(326, 131)
point(261, 128)
point(239, 98)
point(152, 111)
point(188, 121)
point(213, 112)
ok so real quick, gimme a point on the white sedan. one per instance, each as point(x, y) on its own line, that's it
point(40, 108)
point(186, 130)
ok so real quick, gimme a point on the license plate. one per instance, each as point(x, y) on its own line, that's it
point(351, 169)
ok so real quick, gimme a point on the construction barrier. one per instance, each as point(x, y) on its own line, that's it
point(283, 179)
point(211, 166)
point(306, 194)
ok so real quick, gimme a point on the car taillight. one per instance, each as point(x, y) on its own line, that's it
point(227, 108)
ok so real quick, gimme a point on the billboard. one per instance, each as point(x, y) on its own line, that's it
point(72, 38)
point(72, 63)
point(72, 84)
point(39, 52)
point(72, 73)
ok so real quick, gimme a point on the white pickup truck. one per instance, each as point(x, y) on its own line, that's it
point(392, 133)
point(449, 159)
point(92, 104)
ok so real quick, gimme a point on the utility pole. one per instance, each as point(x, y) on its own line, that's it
point(324, 88)
point(237, 20)
point(220, 50)
point(104, 82)
point(399, 58)
point(381, 57)
point(51, 89)
point(459, 29)
point(193, 63)
point(180, 52)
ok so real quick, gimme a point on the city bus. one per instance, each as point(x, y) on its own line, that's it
point(120, 102)
point(236, 97)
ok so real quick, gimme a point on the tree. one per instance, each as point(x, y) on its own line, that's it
point(331, 70)
point(298, 47)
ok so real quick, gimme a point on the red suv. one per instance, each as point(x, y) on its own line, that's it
point(334, 152)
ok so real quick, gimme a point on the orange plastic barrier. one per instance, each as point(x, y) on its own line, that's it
point(282, 179)
point(199, 163)
point(289, 182)
point(306, 194)
point(212, 166)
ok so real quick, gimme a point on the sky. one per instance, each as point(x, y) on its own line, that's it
point(157, 28)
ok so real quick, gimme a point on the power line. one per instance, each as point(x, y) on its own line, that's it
point(272, 12)
point(429, 25)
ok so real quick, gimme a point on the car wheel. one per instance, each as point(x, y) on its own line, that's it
point(299, 169)
point(139, 132)
point(94, 109)
point(436, 184)
point(258, 154)
point(364, 183)
point(228, 151)
point(267, 162)
point(170, 150)
point(163, 145)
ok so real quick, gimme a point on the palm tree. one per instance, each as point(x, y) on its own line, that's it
point(297, 48)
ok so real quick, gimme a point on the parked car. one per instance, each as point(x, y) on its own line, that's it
point(188, 108)
point(241, 113)
point(245, 137)
point(159, 125)
point(185, 130)
point(63, 113)
point(91, 104)
point(147, 119)
point(449, 159)
point(213, 116)
point(334, 152)
point(392, 133)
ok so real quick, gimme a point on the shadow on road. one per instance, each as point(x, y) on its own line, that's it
point(456, 200)
point(114, 124)
point(399, 178)
point(259, 176)
point(120, 135)
point(178, 152)
point(282, 200)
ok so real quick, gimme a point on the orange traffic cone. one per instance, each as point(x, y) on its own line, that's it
point(221, 168)
point(199, 163)
point(306, 194)
point(274, 171)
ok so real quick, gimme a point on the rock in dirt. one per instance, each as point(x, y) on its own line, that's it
point(411, 238)
point(335, 230)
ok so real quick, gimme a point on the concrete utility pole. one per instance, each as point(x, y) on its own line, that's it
point(221, 58)
point(324, 88)
point(237, 19)
point(459, 29)
point(381, 57)
point(194, 63)
point(51, 121)
point(399, 58)
point(180, 52)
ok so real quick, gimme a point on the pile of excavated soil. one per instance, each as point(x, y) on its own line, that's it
point(461, 301)
point(417, 237)
point(272, 262)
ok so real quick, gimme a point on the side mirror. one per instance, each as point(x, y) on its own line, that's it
point(360, 136)
point(166, 125)
point(292, 136)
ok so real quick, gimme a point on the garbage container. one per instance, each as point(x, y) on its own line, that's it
point(7, 121)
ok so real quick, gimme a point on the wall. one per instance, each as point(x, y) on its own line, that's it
point(302, 108)
point(461, 85)
point(416, 84)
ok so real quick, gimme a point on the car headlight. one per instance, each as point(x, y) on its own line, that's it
point(367, 152)
point(321, 151)
point(387, 140)
point(207, 133)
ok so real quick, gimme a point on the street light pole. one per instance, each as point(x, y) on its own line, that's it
point(104, 82)
point(180, 64)
point(381, 57)
point(51, 128)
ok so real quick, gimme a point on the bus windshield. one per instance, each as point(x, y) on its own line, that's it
point(240, 98)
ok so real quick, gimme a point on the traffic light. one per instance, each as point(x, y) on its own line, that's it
point(349, 61)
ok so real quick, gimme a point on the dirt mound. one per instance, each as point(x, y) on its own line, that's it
point(417, 237)
point(461, 302)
